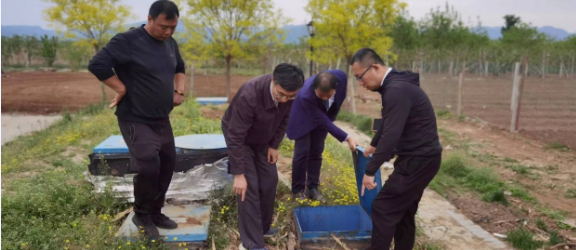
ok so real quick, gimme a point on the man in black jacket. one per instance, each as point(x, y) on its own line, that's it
point(409, 131)
point(147, 65)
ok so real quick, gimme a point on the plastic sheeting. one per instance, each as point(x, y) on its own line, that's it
point(192, 185)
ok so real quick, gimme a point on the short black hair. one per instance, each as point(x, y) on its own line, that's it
point(169, 8)
point(288, 76)
point(366, 57)
point(325, 82)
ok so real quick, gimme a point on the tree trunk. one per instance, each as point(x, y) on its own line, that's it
point(543, 64)
point(572, 70)
point(228, 60)
point(338, 63)
point(352, 88)
point(451, 70)
point(103, 89)
point(192, 68)
point(561, 69)
point(486, 69)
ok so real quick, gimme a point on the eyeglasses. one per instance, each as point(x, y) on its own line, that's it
point(359, 78)
point(281, 95)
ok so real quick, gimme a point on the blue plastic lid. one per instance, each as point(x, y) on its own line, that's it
point(211, 100)
point(201, 141)
point(360, 164)
point(114, 144)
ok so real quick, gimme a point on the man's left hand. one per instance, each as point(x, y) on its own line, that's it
point(368, 182)
point(272, 155)
point(178, 99)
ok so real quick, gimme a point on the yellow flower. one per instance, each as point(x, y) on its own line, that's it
point(87, 246)
point(119, 247)
point(184, 244)
point(153, 241)
point(180, 244)
point(175, 238)
point(67, 241)
point(127, 243)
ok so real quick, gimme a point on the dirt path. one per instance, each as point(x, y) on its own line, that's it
point(16, 125)
point(440, 220)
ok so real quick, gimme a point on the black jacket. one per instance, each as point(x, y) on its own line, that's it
point(409, 123)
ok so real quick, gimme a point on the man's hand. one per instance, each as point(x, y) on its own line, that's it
point(368, 151)
point(352, 143)
point(178, 99)
point(120, 92)
point(272, 155)
point(240, 185)
point(368, 182)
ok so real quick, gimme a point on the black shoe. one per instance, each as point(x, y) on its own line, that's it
point(162, 221)
point(145, 225)
point(298, 196)
point(314, 194)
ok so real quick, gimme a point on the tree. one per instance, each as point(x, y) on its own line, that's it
point(49, 48)
point(6, 50)
point(228, 25)
point(15, 47)
point(94, 20)
point(511, 21)
point(76, 53)
point(349, 25)
point(344, 26)
point(31, 45)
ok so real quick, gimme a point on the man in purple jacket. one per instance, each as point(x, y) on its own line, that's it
point(312, 117)
point(409, 131)
point(253, 127)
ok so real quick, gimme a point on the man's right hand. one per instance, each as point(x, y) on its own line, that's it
point(352, 143)
point(240, 185)
point(117, 99)
point(368, 151)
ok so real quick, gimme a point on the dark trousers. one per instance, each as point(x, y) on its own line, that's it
point(255, 212)
point(394, 209)
point(307, 160)
point(152, 157)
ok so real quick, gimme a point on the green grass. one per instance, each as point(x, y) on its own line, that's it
point(541, 225)
point(557, 146)
point(444, 114)
point(522, 239)
point(361, 122)
point(46, 204)
point(510, 160)
point(570, 193)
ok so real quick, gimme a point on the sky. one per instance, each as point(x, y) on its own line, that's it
point(557, 13)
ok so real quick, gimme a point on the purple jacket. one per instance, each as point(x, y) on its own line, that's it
point(309, 113)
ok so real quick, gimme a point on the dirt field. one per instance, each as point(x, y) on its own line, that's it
point(49, 92)
point(547, 112)
point(548, 105)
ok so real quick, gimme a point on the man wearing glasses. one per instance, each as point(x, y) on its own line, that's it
point(409, 131)
point(253, 127)
point(313, 114)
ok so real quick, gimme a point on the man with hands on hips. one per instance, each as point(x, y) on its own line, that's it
point(409, 130)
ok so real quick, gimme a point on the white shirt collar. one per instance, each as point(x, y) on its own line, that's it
point(387, 71)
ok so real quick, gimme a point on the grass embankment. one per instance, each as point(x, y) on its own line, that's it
point(46, 204)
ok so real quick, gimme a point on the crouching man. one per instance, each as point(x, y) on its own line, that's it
point(253, 127)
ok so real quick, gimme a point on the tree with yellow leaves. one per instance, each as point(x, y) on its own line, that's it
point(344, 26)
point(229, 25)
point(93, 19)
